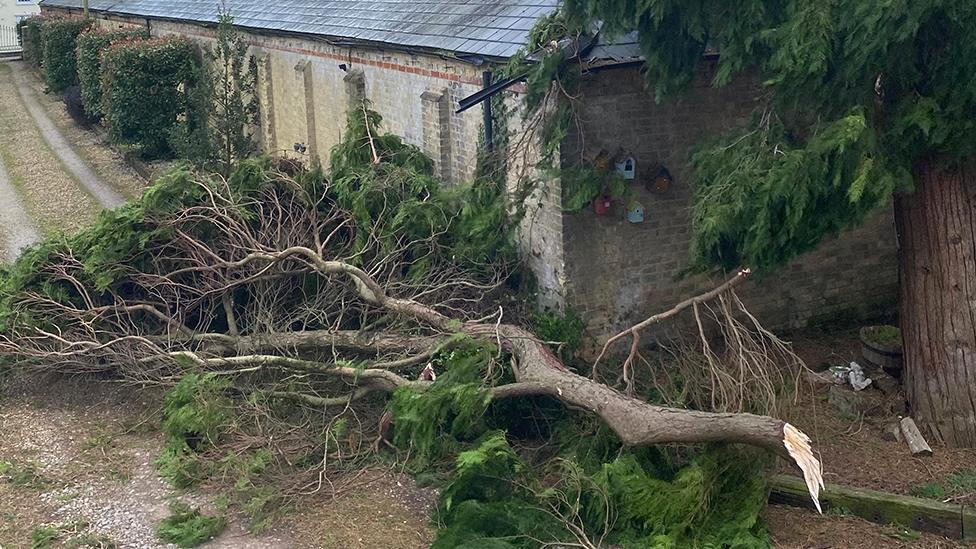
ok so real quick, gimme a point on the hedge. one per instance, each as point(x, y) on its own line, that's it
point(144, 85)
point(88, 56)
point(29, 31)
point(59, 37)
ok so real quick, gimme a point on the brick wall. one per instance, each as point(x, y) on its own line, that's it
point(610, 271)
point(305, 95)
point(618, 272)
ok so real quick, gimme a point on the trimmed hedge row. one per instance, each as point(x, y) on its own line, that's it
point(29, 31)
point(144, 90)
point(88, 56)
point(138, 85)
point(59, 37)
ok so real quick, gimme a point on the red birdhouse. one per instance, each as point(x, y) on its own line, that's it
point(603, 204)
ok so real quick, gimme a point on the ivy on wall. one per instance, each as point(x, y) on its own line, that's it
point(552, 91)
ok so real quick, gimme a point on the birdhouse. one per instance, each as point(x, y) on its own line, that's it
point(635, 212)
point(626, 167)
point(660, 182)
point(603, 204)
point(602, 161)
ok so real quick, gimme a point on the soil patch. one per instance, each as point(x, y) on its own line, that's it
point(852, 449)
point(386, 510)
point(793, 528)
point(855, 453)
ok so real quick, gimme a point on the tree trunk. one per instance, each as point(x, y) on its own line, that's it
point(937, 262)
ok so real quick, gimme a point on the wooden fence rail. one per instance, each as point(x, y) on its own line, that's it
point(946, 519)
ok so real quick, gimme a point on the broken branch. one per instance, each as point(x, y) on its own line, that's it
point(635, 330)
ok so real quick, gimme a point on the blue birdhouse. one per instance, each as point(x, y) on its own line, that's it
point(626, 167)
point(635, 212)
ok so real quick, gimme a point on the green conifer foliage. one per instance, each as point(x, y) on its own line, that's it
point(222, 104)
point(496, 499)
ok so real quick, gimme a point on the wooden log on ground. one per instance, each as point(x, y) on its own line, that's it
point(916, 442)
point(969, 523)
point(925, 515)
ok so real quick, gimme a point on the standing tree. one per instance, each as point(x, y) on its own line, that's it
point(219, 128)
point(866, 100)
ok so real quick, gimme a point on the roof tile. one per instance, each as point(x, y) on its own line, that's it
point(496, 28)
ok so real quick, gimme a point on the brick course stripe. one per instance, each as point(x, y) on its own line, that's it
point(323, 55)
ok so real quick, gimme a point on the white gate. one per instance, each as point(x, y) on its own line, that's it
point(9, 42)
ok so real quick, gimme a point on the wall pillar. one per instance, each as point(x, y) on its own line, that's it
point(436, 112)
point(308, 79)
point(355, 84)
point(269, 140)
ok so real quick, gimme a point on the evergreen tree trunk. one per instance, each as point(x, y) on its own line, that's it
point(937, 260)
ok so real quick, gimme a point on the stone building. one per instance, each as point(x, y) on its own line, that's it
point(415, 60)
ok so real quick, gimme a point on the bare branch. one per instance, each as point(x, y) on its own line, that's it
point(635, 330)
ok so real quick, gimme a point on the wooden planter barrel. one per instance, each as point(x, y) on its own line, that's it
point(887, 356)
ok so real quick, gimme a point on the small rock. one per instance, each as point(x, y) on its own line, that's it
point(891, 432)
point(845, 401)
point(887, 384)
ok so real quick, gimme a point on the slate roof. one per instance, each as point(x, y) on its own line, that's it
point(620, 49)
point(489, 28)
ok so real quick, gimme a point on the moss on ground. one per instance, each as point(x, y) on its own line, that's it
point(958, 485)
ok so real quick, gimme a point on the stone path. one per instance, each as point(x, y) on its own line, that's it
point(102, 192)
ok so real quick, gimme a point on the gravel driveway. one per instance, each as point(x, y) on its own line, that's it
point(52, 197)
point(93, 457)
point(106, 195)
point(54, 175)
point(16, 227)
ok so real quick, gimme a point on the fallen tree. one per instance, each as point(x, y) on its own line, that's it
point(354, 284)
